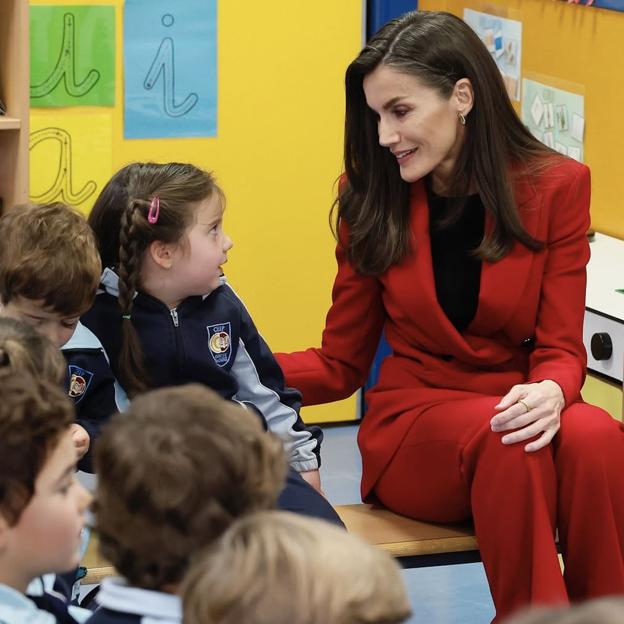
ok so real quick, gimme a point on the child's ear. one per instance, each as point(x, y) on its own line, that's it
point(162, 253)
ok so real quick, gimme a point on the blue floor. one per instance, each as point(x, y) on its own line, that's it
point(456, 594)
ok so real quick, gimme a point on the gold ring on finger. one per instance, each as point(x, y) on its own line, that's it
point(526, 407)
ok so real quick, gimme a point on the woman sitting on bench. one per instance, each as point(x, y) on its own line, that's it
point(463, 238)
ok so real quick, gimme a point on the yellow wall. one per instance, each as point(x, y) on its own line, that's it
point(280, 113)
point(584, 46)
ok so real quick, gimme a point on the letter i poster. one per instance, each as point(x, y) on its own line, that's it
point(170, 64)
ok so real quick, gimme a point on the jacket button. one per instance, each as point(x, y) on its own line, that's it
point(528, 343)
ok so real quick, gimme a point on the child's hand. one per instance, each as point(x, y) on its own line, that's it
point(81, 439)
point(313, 477)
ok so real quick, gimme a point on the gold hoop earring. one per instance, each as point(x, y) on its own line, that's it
point(462, 119)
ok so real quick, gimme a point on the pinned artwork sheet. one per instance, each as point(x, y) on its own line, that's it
point(554, 116)
point(578, 127)
point(549, 115)
point(537, 109)
point(503, 39)
point(574, 152)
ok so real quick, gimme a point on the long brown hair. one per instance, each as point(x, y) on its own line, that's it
point(439, 49)
point(120, 221)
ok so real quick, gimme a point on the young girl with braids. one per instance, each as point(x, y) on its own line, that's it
point(166, 316)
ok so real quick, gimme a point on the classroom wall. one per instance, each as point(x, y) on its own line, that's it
point(278, 152)
point(581, 45)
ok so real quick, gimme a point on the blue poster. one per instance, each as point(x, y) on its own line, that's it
point(615, 5)
point(170, 60)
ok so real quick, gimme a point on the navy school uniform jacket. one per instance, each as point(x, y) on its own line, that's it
point(92, 386)
point(210, 340)
point(49, 594)
point(121, 604)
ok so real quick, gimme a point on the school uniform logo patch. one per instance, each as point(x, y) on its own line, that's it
point(220, 343)
point(79, 381)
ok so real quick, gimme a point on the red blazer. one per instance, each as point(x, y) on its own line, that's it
point(527, 294)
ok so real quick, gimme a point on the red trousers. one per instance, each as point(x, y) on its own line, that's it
point(452, 466)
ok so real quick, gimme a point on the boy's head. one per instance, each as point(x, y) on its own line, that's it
point(49, 268)
point(22, 349)
point(279, 568)
point(41, 503)
point(609, 610)
point(174, 471)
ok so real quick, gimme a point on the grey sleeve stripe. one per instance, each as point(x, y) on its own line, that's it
point(121, 398)
point(279, 417)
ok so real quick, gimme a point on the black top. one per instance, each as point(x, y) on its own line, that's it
point(456, 270)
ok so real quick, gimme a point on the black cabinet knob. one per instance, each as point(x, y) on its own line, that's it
point(601, 346)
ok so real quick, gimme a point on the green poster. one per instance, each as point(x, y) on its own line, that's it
point(72, 56)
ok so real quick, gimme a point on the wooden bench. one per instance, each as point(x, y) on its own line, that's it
point(413, 543)
point(97, 567)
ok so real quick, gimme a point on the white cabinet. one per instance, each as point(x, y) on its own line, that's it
point(603, 329)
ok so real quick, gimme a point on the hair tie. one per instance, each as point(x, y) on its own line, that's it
point(126, 317)
point(154, 210)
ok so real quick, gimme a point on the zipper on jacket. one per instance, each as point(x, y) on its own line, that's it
point(174, 317)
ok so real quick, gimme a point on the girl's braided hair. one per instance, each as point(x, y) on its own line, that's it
point(120, 221)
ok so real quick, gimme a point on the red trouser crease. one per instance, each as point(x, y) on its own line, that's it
point(451, 465)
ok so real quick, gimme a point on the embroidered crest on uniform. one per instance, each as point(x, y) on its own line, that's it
point(220, 343)
point(79, 380)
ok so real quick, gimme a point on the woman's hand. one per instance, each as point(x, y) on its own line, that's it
point(530, 409)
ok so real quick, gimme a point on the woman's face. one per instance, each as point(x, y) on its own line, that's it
point(419, 126)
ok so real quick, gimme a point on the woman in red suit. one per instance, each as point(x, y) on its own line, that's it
point(463, 239)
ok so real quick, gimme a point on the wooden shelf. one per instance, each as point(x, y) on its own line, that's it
point(10, 123)
point(14, 73)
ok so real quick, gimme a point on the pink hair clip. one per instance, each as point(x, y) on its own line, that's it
point(154, 210)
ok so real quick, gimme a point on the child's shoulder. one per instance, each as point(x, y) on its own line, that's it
point(82, 338)
point(123, 604)
point(16, 608)
point(106, 616)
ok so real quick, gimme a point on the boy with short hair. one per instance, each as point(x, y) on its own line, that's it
point(604, 610)
point(42, 504)
point(275, 567)
point(49, 273)
point(174, 471)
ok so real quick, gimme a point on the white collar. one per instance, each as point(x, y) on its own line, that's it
point(110, 280)
point(155, 607)
point(17, 608)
